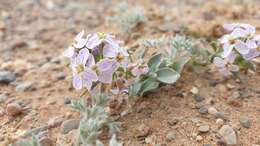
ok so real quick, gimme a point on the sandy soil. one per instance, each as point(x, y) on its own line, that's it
point(34, 33)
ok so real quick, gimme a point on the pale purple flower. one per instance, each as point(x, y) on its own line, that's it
point(247, 49)
point(226, 66)
point(96, 39)
point(104, 69)
point(82, 76)
point(253, 53)
point(240, 29)
point(80, 42)
point(237, 31)
point(118, 53)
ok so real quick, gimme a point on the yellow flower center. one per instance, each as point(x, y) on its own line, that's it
point(232, 40)
point(120, 57)
point(80, 68)
point(258, 49)
point(101, 35)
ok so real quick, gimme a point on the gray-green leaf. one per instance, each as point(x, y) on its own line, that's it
point(148, 85)
point(155, 61)
point(167, 75)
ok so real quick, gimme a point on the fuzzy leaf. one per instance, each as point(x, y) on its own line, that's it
point(155, 61)
point(178, 65)
point(148, 85)
point(167, 75)
point(134, 88)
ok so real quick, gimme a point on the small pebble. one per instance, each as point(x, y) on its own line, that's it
point(7, 77)
point(67, 100)
point(219, 122)
point(212, 111)
point(228, 135)
point(194, 90)
point(199, 138)
point(3, 97)
point(221, 115)
point(203, 110)
point(170, 136)
point(23, 87)
point(55, 121)
point(245, 121)
point(198, 98)
point(204, 128)
point(13, 109)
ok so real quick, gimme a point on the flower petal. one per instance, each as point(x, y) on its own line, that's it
point(93, 41)
point(227, 49)
point(109, 51)
point(105, 64)
point(79, 36)
point(77, 82)
point(105, 76)
point(231, 57)
point(253, 53)
point(91, 61)
point(241, 47)
point(251, 44)
point(239, 32)
point(89, 75)
point(82, 56)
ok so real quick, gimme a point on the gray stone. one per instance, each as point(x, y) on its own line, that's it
point(198, 98)
point(204, 128)
point(170, 136)
point(221, 115)
point(212, 111)
point(3, 97)
point(245, 121)
point(27, 86)
point(13, 109)
point(235, 95)
point(228, 135)
point(55, 121)
point(69, 125)
point(203, 110)
point(7, 77)
point(67, 100)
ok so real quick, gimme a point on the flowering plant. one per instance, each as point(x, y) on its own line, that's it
point(240, 47)
point(96, 59)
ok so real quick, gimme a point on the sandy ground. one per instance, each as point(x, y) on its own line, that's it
point(34, 33)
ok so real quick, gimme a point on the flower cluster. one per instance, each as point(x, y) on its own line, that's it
point(95, 58)
point(241, 42)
